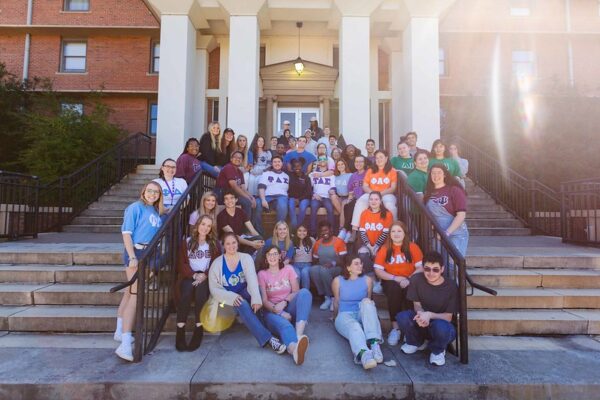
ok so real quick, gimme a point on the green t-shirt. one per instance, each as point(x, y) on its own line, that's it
point(450, 163)
point(417, 180)
point(403, 164)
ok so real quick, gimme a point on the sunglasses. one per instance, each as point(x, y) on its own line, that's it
point(430, 269)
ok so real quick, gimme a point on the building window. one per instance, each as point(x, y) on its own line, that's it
point(76, 108)
point(77, 5)
point(153, 120)
point(212, 109)
point(73, 56)
point(155, 58)
point(523, 64)
point(520, 8)
point(442, 62)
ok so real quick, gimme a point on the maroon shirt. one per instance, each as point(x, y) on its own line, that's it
point(452, 198)
point(229, 173)
point(187, 167)
point(237, 222)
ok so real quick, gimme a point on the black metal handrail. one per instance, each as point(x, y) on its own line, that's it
point(427, 233)
point(157, 266)
point(533, 203)
point(581, 211)
point(29, 207)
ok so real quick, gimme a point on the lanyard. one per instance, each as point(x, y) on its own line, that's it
point(172, 192)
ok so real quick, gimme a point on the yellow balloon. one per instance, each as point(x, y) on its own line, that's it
point(216, 317)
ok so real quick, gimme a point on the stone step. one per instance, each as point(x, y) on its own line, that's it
point(499, 231)
point(85, 257)
point(471, 215)
point(39, 273)
point(521, 278)
point(92, 228)
point(15, 294)
point(534, 322)
point(119, 197)
point(109, 206)
point(483, 207)
point(480, 201)
point(542, 298)
point(148, 167)
point(76, 294)
point(540, 261)
point(98, 220)
point(103, 213)
point(493, 223)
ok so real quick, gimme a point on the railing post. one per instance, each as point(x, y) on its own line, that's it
point(563, 213)
point(36, 205)
point(61, 198)
point(532, 211)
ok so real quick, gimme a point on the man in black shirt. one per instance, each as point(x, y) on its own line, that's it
point(435, 302)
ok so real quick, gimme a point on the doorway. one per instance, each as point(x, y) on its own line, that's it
point(299, 118)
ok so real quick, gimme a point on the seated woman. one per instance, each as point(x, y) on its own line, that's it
point(188, 165)
point(417, 179)
point(285, 303)
point(196, 254)
point(299, 194)
point(232, 280)
point(439, 155)
point(303, 256)
point(355, 191)
point(281, 238)
point(171, 186)
point(227, 147)
point(322, 151)
point(260, 158)
point(327, 255)
point(395, 263)
point(339, 196)
point(210, 149)
point(356, 315)
point(241, 145)
point(322, 185)
point(208, 206)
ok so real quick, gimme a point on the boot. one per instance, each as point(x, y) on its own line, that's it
point(196, 338)
point(180, 344)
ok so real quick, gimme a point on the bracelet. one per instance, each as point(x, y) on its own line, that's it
point(132, 258)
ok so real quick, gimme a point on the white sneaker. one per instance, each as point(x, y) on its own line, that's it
point(342, 234)
point(394, 337)
point(326, 304)
point(410, 349)
point(377, 354)
point(377, 287)
point(118, 336)
point(124, 351)
point(367, 360)
point(438, 359)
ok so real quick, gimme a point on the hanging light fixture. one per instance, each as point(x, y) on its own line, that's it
point(298, 63)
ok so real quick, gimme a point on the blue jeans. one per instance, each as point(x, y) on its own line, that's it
point(303, 271)
point(314, 208)
point(281, 207)
point(250, 319)
point(298, 308)
point(358, 327)
point(439, 332)
point(209, 169)
point(297, 219)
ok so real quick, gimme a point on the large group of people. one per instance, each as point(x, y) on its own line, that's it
point(357, 249)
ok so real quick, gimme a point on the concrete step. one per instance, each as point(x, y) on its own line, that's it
point(39, 273)
point(493, 223)
point(92, 228)
point(90, 212)
point(499, 231)
point(76, 294)
point(542, 298)
point(148, 167)
point(480, 201)
point(109, 206)
point(119, 197)
point(522, 278)
point(84, 257)
point(484, 207)
point(98, 220)
point(534, 322)
point(18, 294)
point(540, 261)
point(489, 215)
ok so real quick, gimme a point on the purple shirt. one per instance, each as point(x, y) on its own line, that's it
point(355, 184)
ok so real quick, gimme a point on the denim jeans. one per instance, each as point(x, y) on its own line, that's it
point(281, 207)
point(303, 271)
point(439, 332)
point(246, 205)
point(251, 320)
point(359, 326)
point(297, 219)
point(322, 278)
point(298, 308)
point(209, 169)
point(314, 208)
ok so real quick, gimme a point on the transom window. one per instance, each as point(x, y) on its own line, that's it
point(77, 5)
point(73, 56)
point(155, 67)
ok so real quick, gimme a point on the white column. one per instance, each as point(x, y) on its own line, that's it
point(223, 84)
point(175, 85)
point(243, 74)
point(396, 72)
point(199, 123)
point(374, 94)
point(421, 79)
point(355, 79)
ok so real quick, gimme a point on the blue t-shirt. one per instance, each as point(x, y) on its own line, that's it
point(352, 293)
point(290, 253)
point(141, 221)
point(234, 281)
point(341, 184)
point(308, 157)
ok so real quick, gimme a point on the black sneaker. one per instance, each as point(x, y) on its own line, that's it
point(276, 345)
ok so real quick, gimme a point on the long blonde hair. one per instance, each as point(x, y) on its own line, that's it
point(215, 141)
point(158, 204)
point(203, 211)
point(244, 151)
point(287, 242)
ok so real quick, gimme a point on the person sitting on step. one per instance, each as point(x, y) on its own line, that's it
point(417, 179)
point(435, 300)
point(282, 239)
point(235, 220)
point(355, 313)
point(403, 161)
point(188, 165)
point(440, 155)
point(196, 254)
point(272, 191)
point(322, 187)
point(396, 261)
point(172, 187)
point(303, 255)
point(299, 194)
point(208, 206)
point(284, 303)
point(232, 281)
point(232, 178)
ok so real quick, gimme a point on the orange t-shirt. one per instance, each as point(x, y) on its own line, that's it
point(374, 225)
point(397, 264)
point(380, 181)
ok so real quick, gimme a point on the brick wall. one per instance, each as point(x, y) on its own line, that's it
point(13, 12)
point(214, 62)
point(12, 48)
point(129, 112)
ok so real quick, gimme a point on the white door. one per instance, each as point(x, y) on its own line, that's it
point(299, 118)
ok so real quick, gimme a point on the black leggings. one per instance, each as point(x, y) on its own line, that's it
point(187, 291)
point(396, 297)
point(348, 211)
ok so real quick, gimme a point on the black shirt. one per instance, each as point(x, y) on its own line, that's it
point(437, 299)
point(300, 187)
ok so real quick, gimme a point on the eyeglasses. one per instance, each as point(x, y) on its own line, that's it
point(430, 269)
point(152, 191)
point(272, 254)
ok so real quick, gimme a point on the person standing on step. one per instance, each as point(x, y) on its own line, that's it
point(463, 163)
point(328, 252)
point(435, 301)
point(210, 149)
point(403, 161)
point(188, 165)
point(307, 158)
point(196, 254)
point(446, 199)
point(284, 303)
point(395, 263)
point(315, 131)
point(273, 188)
point(172, 187)
point(232, 281)
point(355, 313)
point(417, 179)
point(141, 222)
